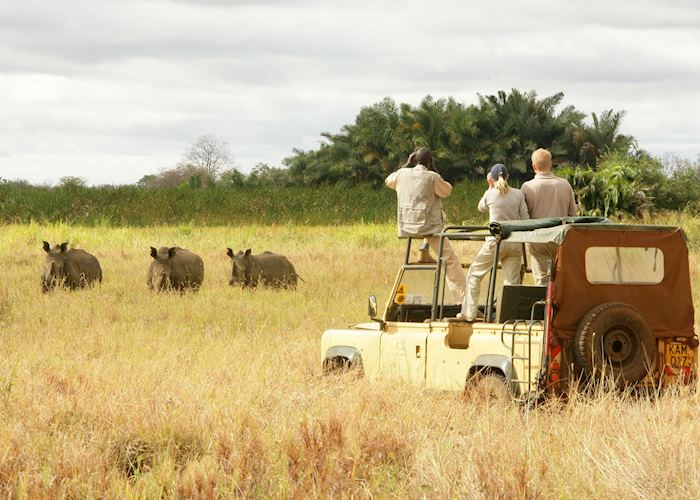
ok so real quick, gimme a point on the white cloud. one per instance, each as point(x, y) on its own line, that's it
point(113, 90)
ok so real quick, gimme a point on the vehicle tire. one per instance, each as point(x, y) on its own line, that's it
point(615, 339)
point(341, 365)
point(488, 386)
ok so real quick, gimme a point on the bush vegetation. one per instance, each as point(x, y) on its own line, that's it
point(215, 206)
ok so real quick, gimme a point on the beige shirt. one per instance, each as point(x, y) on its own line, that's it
point(549, 196)
point(503, 207)
point(419, 193)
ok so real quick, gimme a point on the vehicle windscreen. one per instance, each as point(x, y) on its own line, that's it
point(416, 287)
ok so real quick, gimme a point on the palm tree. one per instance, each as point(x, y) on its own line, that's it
point(592, 141)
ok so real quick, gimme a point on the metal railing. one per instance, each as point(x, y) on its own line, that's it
point(525, 385)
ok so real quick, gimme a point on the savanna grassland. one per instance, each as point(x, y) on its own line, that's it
point(119, 392)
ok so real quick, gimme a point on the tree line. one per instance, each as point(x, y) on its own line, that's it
point(465, 139)
point(607, 169)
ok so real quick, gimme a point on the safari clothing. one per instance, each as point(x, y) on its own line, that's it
point(501, 207)
point(547, 196)
point(419, 193)
point(454, 274)
point(511, 257)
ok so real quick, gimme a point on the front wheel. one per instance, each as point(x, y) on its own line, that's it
point(487, 387)
point(341, 365)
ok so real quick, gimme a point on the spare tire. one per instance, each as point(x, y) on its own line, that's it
point(614, 339)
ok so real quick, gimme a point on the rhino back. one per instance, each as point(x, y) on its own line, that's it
point(85, 264)
point(275, 268)
point(187, 269)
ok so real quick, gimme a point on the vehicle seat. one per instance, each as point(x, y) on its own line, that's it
point(516, 302)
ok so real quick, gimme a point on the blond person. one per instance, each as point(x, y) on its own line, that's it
point(420, 192)
point(503, 203)
point(546, 196)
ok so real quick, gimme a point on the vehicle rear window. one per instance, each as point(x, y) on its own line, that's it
point(624, 266)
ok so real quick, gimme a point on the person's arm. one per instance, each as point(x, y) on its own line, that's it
point(527, 194)
point(391, 180)
point(483, 205)
point(573, 208)
point(522, 210)
point(442, 188)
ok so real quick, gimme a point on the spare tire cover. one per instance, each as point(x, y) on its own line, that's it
point(614, 339)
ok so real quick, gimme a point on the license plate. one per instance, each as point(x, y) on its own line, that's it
point(679, 356)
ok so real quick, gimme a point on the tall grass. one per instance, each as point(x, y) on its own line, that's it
point(119, 392)
point(132, 206)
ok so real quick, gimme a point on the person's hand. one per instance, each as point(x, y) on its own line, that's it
point(411, 158)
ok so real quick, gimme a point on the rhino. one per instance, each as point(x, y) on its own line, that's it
point(268, 268)
point(68, 268)
point(175, 268)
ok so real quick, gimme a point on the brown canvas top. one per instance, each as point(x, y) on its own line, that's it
point(666, 302)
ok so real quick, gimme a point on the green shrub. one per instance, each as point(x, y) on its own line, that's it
point(621, 182)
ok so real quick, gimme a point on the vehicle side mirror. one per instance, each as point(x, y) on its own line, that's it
point(372, 306)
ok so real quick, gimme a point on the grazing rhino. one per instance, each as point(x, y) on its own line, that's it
point(175, 268)
point(68, 268)
point(268, 268)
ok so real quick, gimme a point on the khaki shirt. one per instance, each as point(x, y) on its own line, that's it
point(419, 193)
point(503, 207)
point(549, 196)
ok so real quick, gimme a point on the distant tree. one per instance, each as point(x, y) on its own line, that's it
point(147, 181)
point(183, 173)
point(210, 155)
point(265, 175)
point(232, 177)
point(72, 182)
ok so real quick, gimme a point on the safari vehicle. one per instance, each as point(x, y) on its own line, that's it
point(618, 306)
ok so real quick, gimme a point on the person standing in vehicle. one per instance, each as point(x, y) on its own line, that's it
point(419, 193)
point(503, 203)
point(546, 196)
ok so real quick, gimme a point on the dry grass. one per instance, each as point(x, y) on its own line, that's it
point(117, 391)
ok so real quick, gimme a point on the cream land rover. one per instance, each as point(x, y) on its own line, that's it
point(600, 316)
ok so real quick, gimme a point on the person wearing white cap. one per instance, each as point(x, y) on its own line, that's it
point(419, 192)
point(503, 203)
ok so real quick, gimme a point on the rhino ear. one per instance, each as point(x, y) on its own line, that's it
point(229, 252)
point(64, 246)
point(154, 252)
point(247, 252)
point(171, 252)
point(47, 247)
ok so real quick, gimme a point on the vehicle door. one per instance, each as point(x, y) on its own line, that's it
point(404, 340)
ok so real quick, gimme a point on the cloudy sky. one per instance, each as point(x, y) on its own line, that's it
point(111, 90)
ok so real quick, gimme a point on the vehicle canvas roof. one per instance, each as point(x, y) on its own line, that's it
point(553, 230)
point(667, 305)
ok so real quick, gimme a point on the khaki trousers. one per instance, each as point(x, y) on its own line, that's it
point(454, 274)
point(511, 257)
point(542, 256)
